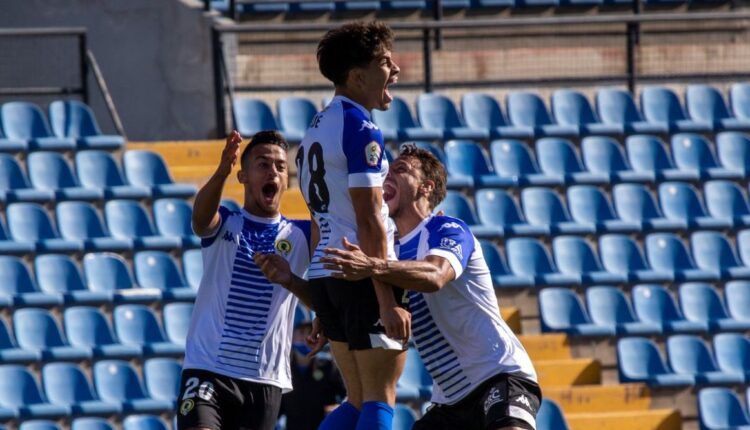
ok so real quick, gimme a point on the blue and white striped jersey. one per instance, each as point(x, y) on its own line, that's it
point(459, 333)
point(242, 324)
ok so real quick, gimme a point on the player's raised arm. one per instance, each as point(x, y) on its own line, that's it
point(206, 219)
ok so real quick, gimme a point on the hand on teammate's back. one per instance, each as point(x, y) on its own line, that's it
point(349, 263)
point(230, 154)
point(275, 268)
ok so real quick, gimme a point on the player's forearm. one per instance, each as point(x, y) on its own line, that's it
point(372, 239)
point(299, 287)
point(206, 205)
point(421, 276)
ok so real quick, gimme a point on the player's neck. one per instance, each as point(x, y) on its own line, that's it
point(353, 96)
point(256, 211)
point(409, 218)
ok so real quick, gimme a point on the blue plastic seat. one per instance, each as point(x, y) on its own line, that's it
point(162, 378)
point(252, 116)
point(706, 105)
point(295, 115)
point(456, 205)
point(660, 105)
point(562, 311)
point(66, 385)
point(357, 5)
point(86, 327)
point(14, 186)
point(635, 204)
point(557, 157)
point(21, 397)
point(603, 156)
point(404, 4)
point(397, 123)
point(49, 171)
point(688, 355)
point(527, 110)
point(529, 258)
point(177, 321)
point(59, 275)
point(543, 207)
point(680, 202)
point(79, 221)
point(128, 220)
point(733, 151)
point(322, 6)
point(75, 120)
point(667, 254)
point(589, 205)
point(415, 383)
point(700, 303)
point(117, 382)
point(25, 122)
point(38, 425)
point(192, 265)
point(36, 329)
point(231, 204)
point(501, 275)
point(617, 108)
point(144, 422)
point(433, 148)
point(173, 219)
point(137, 325)
point(725, 201)
point(11, 353)
point(468, 166)
point(574, 257)
point(98, 170)
point(147, 169)
point(437, 112)
point(732, 351)
point(10, 246)
point(648, 157)
point(550, 417)
point(109, 272)
point(654, 305)
point(482, 112)
point(11, 145)
point(693, 153)
point(638, 360)
point(512, 159)
point(719, 408)
point(739, 99)
point(608, 307)
point(620, 254)
point(403, 417)
point(571, 108)
point(498, 209)
point(737, 294)
point(713, 252)
point(90, 423)
point(157, 270)
point(17, 287)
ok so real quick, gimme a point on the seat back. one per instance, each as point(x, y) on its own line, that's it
point(712, 251)
point(66, 384)
point(493, 258)
point(704, 103)
point(608, 306)
point(570, 107)
point(162, 378)
point(700, 302)
point(403, 417)
point(542, 206)
point(557, 156)
point(732, 351)
point(692, 152)
point(466, 158)
point(28, 222)
point(143, 422)
point(743, 246)
point(647, 154)
point(173, 217)
point(720, 408)
point(107, 272)
point(680, 201)
point(589, 205)
point(550, 417)
point(603, 155)
point(497, 207)
point(528, 257)
point(660, 104)
point(633, 202)
point(688, 355)
point(137, 324)
point(573, 255)
point(739, 96)
point(50, 171)
point(86, 327)
point(18, 387)
point(457, 206)
point(434, 149)
point(620, 254)
point(127, 219)
point(527, 109)
point(36, 329)
point(97, 169)
point(117, 381)
point(57, 274)
point(665, 252)
point(79, 221)
point(145, 168)
point(616, 106)
point(561, 309)
point(436, 111)
point(12, 176)
point(252, 116)
point(295, 114)
point(192, 265)
point(71, 118)
point(89, 423)
point(512, 158)
point(638, 359)
point(725, 200)
point(156, 269)
point(15, 277)
point(653, 304)
point(481, 111)
point(397, 117)
point(737, 295)
point(734, 150)
point(177, 321)
point(23, 121)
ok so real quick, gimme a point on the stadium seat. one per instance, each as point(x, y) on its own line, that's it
point(295, 114)
point(192, 265)
point(700, 303)
point(726, 202)
point(117, 382)
point(128, 220)
point(732, 351)
point(562, 311)
point(543, 207)
point(403, 5)
point(648, 156)
point(14, 186)
point(157, 270)
point(49, 171)
point(147, 169)
point(617, 108)
point(501, 275)
point(635, 204)
point(437, 112)
point(550, 417)
point(10, 246)
point(498, 209)
point(571, 108)
point(693, 153)
point(86, 327)
point(17, 287)
point(59, 275)
point(528, 258)
point(433, 148)
point(589, 205)
point(65, 384)
point(638, 360)
point(37, 330)
point(688, 355)
point(21, 397)
point(162, 378)
point(144, 422)
point(11, 145)
point(667, 254)
point(512, 159)
point(712, 252)
point(177, 321)
point(173, 219)
point(397, 123)
point(357, 5)
point(739, 99)
point(231, 205)
point(38, 425)
point(98, 170)
point(557, 157)
point(89, 423)
point(621, 255)
point(468, 166)
point(603, 156)
point(80, 221)
point(660, 105)
point(706, 105)
point(608, 307)
point(109, 273)
point(680, 203)
point(574, 257)
point(137, 325)
point(252, 116)
point(527, 110)
point(456, 205)
point(719, 408)
point(737, 294)
point(75, 120)
point(733, 151)
point(23, 121)
point(415, 383)
point(482, 112)
point(654, 305)
point(11, 353)
point(403, 417)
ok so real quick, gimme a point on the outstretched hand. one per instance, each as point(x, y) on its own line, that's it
point(349, 263)
point(316, 340)
point(230, 154)
point(275, 268)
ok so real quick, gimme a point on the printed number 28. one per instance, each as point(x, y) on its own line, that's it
point(317, 190)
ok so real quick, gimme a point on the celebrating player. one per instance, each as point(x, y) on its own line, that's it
point(483, 377)
point(238, 346)
point(341, 168)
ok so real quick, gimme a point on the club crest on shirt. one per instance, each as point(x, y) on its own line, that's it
point(283, 247)
point(451, 225)
point(372, 153)
point(493, 398)
point(368, 125)
point(452, 245)
point(187, 406)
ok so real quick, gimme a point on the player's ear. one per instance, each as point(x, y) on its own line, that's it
point(427, 187)
point(241, 177)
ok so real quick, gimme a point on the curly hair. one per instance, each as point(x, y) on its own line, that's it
point(350, 46)
point(432, 169)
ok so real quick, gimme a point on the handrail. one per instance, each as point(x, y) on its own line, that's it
point(102, 84)
point(54, 31)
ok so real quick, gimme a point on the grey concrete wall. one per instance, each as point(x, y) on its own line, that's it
point(155, 56)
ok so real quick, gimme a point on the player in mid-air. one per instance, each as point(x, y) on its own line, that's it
point(238, 346)
point(483, 377)
point(341, 167)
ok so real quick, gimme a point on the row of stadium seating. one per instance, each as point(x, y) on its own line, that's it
point(23, 127)
point(571, 115)
point(721, 409)
point(131, 422)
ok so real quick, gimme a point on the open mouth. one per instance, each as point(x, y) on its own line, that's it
point(269, 192)
point(389, 190)
point(386, 90)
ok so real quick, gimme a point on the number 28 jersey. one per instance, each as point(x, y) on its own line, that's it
point(342, 149)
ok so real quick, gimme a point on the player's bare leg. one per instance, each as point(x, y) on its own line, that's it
point(347, 363)
point(379, 370)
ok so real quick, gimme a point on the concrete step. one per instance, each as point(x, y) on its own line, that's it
point(543, 347)
point(598, 398)
point(512, 316)
point(566, 373)
point(654, 419)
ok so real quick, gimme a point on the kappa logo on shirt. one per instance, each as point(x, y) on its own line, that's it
point(368, 125)
point(493, 398)
point(522, 399)
point(451, 225)
point(452, 245)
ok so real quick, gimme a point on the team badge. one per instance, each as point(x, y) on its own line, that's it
point(372, 153)
point(187, 406)
point(452, 245)
point(494, 397)
point(284, 247)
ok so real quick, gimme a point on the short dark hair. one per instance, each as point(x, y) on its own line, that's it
point(352, 45)
point(432, 169)
point(265, 137)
